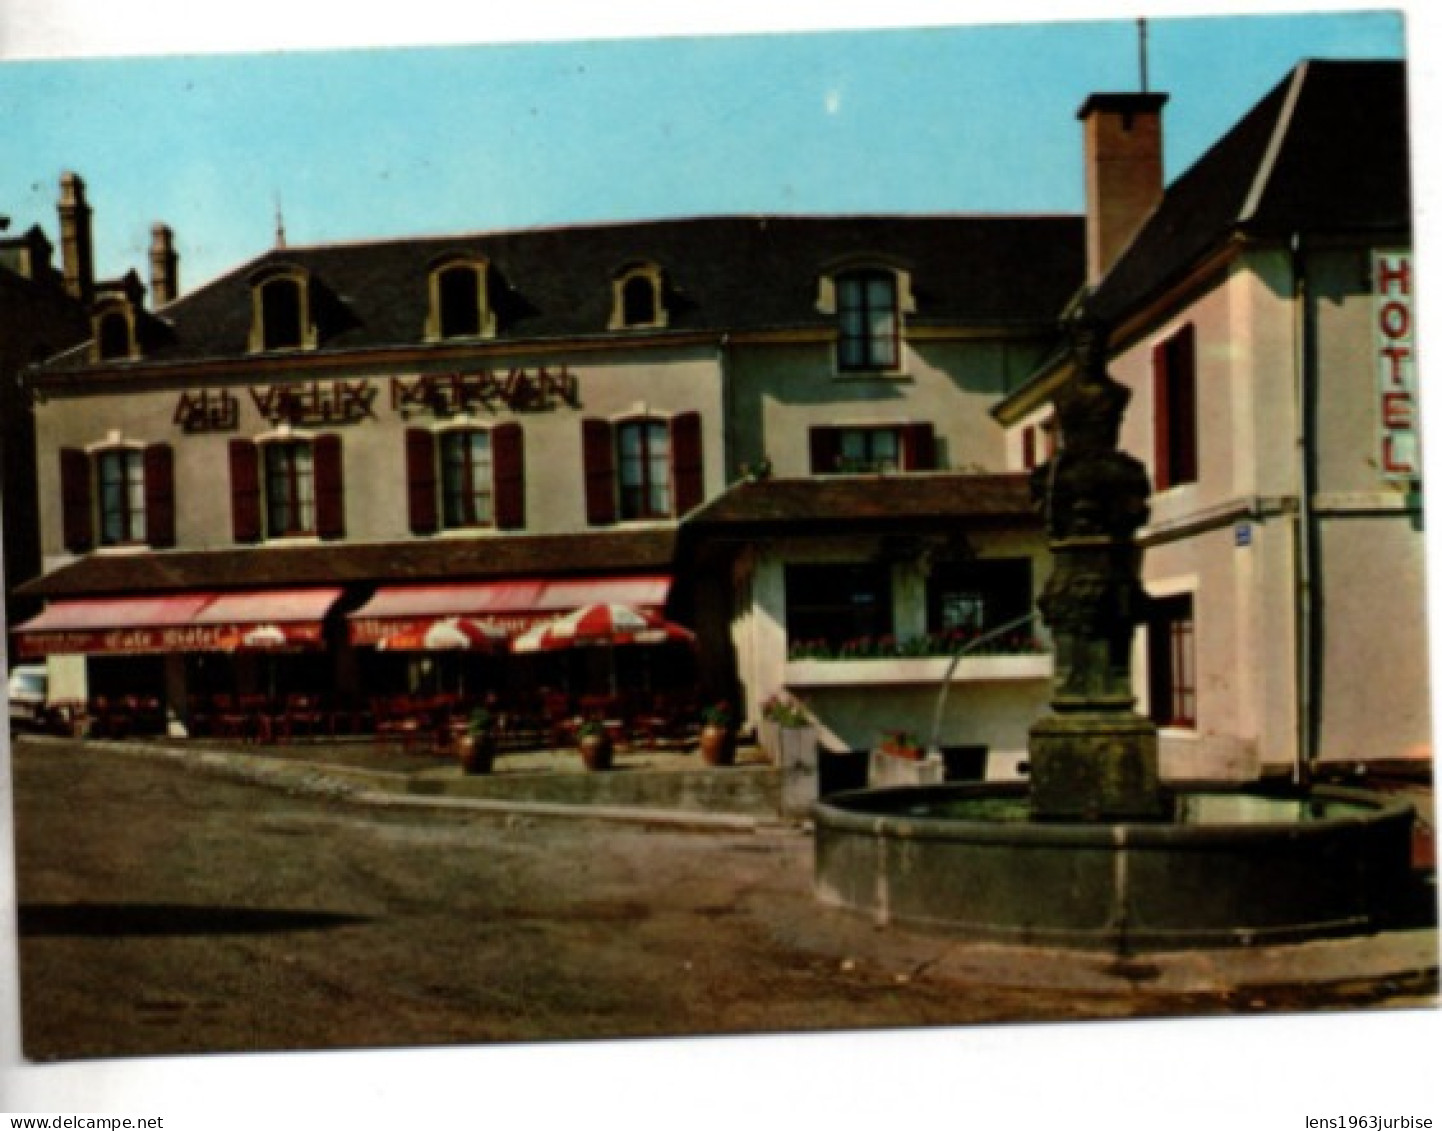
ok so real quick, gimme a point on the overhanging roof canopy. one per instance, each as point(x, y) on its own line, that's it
point(181, 622)
point(509, 605)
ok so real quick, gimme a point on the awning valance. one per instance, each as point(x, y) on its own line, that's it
point(182, 622)
point(511, 606)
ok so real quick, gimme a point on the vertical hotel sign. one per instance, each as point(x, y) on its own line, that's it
point(1399, 453)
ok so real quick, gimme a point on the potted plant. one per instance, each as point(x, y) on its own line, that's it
point(718, 735)
point(901, 743)
point(476, 744)
point(595, 744)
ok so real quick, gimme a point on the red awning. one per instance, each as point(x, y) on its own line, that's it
point(512, 606)
point(184, 622)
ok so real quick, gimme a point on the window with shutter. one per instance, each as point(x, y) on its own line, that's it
point(77, 523)
point(120, 485)
point(421, 481)
point(643, 468)
point(598, 459)
point(329, 487)
point(160, 496)
point(918, 448)
point(245, 491)
point(688, 469)
point(290, 484)
point(871, 450)
point(509, 459)
point(467, 478)
point(1174, 382)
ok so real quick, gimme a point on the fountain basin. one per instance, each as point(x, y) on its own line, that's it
point(1230, 868)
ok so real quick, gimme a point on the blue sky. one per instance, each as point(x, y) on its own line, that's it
point(368, 143)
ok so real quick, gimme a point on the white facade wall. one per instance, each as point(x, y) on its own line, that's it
point(612, 385)
point(1233, 538)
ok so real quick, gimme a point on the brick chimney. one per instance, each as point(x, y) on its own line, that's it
point(76, 256)
point(1123, 169)
point(164, 266)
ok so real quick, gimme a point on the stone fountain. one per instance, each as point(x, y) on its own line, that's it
point(1095, 851)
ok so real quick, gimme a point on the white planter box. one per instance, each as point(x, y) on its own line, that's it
point(932, 669)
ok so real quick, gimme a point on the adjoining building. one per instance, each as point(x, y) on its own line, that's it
point(1261, 312)
point(43, 309)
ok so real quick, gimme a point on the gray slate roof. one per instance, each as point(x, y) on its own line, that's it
point(1325, 152)
point(724, 273)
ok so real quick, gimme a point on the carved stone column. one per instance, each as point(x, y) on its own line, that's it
point(1093, 758)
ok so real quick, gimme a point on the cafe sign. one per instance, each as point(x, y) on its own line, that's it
point(179, 638)
point(542, 389)
point(300, 403)
point(1399, 455)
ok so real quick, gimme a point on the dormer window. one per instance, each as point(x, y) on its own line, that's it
point(281, 316)
point(868, 322)
point(637, 299)
point(114, 334)
point(459, 299)
point(869, 303)
point(115, 319)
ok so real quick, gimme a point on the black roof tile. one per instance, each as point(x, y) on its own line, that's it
point(723, 273)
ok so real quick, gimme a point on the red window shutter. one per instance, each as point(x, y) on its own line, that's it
point(77, 522)
point(329, 487)
point(1161, 414)
point(687, 469)
point(918, 447)
point(598, 456)
point(1028, 447)
point(1183, 405)
point(421, 480)
point(245, 491)
point(825, 451)
point(160, 496)
point(508, 456)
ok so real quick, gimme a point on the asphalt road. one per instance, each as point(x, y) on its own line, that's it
point(165, 910)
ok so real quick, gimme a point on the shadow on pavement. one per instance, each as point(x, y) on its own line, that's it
point(89, 920)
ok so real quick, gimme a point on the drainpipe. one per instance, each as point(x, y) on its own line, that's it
point(1304, 593)
point(938, 716)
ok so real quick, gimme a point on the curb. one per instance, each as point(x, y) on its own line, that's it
point(387, 789)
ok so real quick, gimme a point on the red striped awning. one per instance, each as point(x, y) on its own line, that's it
point(183, 622)
point(409, 611)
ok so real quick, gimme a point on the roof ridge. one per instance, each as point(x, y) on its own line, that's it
point(1280, 128)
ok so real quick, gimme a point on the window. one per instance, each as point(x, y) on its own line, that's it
point(1171, 662)
point(643, 450)
point(120, 476)
point(288, 486)
point(974, 597)
point(638, 302)
point(113, 337)
point(872, 449)
point(642, 468)
point(1174, 373)
point(869, 323)
point(460, 293)
point(280, 312)
point(637, 298)
point(119, 495)
point(837, 604)
point(460, 302)
point(466, 478)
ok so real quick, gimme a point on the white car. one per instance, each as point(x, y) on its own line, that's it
point(28, 691)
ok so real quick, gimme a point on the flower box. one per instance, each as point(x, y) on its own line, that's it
point(930, 669)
